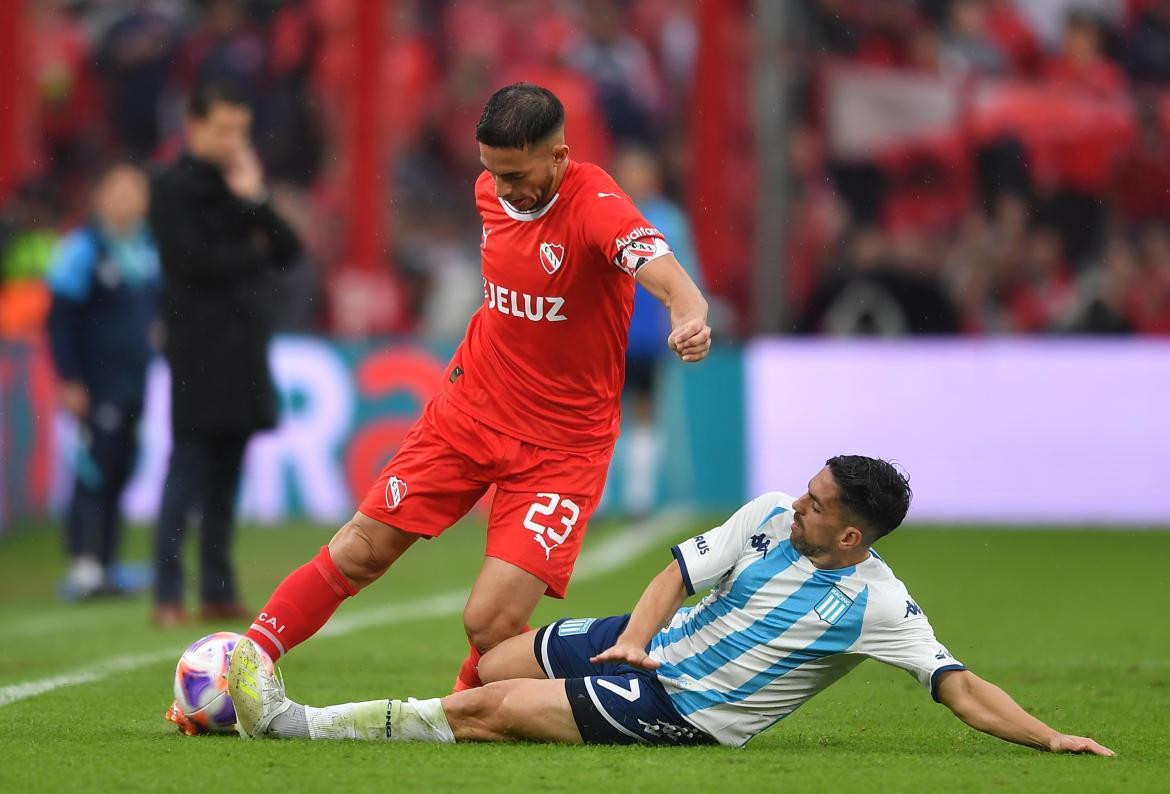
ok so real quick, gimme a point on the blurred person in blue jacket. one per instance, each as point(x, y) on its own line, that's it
point(639, 173)
point(105, 281)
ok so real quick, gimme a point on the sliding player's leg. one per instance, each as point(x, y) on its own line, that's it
point(627, 708)
point(519, 710)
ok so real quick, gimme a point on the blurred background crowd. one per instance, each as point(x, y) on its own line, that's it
point(946, 166)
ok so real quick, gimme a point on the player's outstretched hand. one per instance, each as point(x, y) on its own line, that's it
point(691, 340)
point(1078, 744)
point(630, 654)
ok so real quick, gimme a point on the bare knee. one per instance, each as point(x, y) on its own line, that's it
point(486, 628)
point(475, 714)
point(363, 549)
point(490, 669)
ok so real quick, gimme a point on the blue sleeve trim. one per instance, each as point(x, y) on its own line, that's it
point(71, 269)
point(934, 678)
point(682, 566)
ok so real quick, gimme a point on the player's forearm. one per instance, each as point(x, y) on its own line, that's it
point(687, 305)
point(986, 707)
point(667, 281)
point(659, 601)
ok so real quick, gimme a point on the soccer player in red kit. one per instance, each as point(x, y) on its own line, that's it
point(530, 403)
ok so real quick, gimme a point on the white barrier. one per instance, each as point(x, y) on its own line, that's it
point(1004, 431)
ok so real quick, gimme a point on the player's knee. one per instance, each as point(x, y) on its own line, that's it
point(475, 713)
point(359, 554)
point(491, 668)
point(487, 629)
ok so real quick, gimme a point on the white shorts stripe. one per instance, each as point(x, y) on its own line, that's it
point(544, 650)
point(604, 713)
point(271, 636)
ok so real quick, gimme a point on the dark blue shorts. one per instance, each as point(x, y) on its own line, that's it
point(612, 703)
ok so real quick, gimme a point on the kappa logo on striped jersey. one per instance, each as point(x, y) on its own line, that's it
point(833, 606)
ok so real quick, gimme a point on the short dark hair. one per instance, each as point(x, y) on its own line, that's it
point(518, 116)
point(219, 91)
point(873, 493)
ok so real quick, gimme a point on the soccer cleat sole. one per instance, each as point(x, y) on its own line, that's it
point(243, 687)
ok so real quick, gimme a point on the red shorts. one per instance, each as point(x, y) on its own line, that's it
point(544, 497)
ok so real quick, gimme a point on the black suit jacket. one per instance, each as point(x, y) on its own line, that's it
point(218, 255)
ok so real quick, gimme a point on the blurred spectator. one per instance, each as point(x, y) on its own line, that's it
point(1040, 293)
point(969, 44)
point(27, 239)
point(975, 99)
point(1141, 185)
point(64, 90)
point(1147, 47)
point(105, 282)
point(628, 85)
point(639, 174)
point(134, 59)
point(227, 46)
point(1105, 293)
point(219, 240)
point(293, 134)
point(882, 290)
point(1049, 17)
point(1151, 301)
point(1014, 37)
point(1082, 63)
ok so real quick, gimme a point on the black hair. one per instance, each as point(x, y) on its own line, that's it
point(873, 493)
point(218, 91)
point(518, 116)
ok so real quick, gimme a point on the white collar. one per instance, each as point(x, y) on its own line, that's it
point(531, 215)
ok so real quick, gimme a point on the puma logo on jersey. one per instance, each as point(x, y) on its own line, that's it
point(520, 304)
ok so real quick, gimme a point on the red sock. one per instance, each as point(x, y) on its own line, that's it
point(468, 677)
point(300, 605)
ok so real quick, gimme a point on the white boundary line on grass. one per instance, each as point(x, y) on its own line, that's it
point(610, 555)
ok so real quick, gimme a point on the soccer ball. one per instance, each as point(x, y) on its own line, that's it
point(201, 687)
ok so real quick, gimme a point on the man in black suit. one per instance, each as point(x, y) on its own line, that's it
point(220, 243)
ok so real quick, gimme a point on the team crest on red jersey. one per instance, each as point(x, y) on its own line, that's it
point(551, 257)
point(395, 492)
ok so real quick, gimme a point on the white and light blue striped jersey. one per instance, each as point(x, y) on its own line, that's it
point(776, 630)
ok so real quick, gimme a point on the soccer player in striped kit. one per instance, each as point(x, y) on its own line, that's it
point(799, 598)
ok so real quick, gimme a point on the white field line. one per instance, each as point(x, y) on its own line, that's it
point(608, 556)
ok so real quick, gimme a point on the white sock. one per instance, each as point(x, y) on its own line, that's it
point(381, 720)
point(419, 721)
point(368, 720)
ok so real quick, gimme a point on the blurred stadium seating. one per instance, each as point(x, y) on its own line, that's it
point(949, 167)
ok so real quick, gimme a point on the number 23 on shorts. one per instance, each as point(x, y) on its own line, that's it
point(540, 520)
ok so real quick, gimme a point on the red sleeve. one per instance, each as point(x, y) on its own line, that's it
point(615, 228)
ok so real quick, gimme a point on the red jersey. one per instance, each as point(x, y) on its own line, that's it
point(543, 359)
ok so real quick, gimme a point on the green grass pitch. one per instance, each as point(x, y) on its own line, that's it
point(1073, 623)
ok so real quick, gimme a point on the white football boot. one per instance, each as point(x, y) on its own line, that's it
point(256, 689)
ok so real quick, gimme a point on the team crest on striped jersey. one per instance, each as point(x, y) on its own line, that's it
point(570, 628)
point(833, 606)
